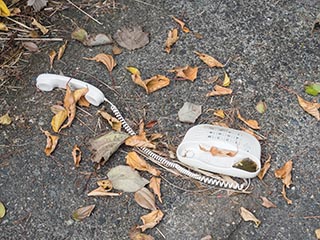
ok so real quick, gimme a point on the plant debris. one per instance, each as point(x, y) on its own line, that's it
point(139, 141)
point(267, 203)
point(248, 216)
point(284, 173)
point(265, 168)
point(214, 151)
point(2, 210)
point(145, 199)
point(76, 154)
point(131, 38)
point(83, 212)
point(52, 142)
point(310, 107)
point(186, 73)
point(113, 122)
point(106, 59)
point(219, 91)
point(210, 61)
point(251, 123)
point(182, 25)
point(136, 162)
point(155, 186)
point(312, 89)
point(261, 107)
point(136, 234)
point(5, 119)
point(171, 40)
point(91, 40)
point(150, 220)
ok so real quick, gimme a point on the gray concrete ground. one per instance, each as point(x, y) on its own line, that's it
point(271, 44)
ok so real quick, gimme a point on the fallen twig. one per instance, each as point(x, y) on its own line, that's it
point(87, 14)
point(33, 39)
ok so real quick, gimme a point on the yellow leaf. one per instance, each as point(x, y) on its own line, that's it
point(136, 162)
point(62, 50)
point(284, 173)
point(114, 123)
point(133, 70)
point(187, 72)
point(251, 123)
point(265, 168)
point(76, 154)
point(248, 216)
point(157, 82)
point(42, 28)
point(172, 39)
point(52, 55)
point(5, 119)
point(182, 25)
point(150, 220)
point(219, 91)
point(106, 59)
point(4, 11)
point(83, 102)
point(79, 93)
point(210, 61)
point(52, 142)
point(101, 192)
point(310, 107)
point(106, 184)
point(3, 27)
point(139, 141)
point(58, 120)
point(219, 113)
point(155, 186)
point(2, 210)
point(226, 80)
point(267, 203)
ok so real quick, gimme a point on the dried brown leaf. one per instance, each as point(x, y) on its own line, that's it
point(62, 50)
point(267, 203)
point(284, 173)
point(139, 141)
point(114, 123)
point(106, 59)
point(219, 91)
point(136, 162)
point(59, 119)
point(157, 82)
point(69, 103)
point(310, 107)
point(101, 192)
point(182, 25)
point(52, 142)
point(218, 152)
point(251, 123)
point(155, 186)
point(136, 234)
point(83, 102)
point(151, 124)
point(3, 27)
point(253, 133)
point(210, 61)
point(131, 38)
point(5, 119)
point(284, 194)
point(151, 220)
point(172, 39)
point(106, 184)
point(76, 154)
point(145, 199)
point(82, 213)
point(248, 216)
point(317, 232)
point(52, 56)
point(265, 168)
point(219, 113)
point(187, 72)
point(116, 50)
point(42, 28)
point(30, 46)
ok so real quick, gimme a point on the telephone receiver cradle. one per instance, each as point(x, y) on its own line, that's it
point(244, 162)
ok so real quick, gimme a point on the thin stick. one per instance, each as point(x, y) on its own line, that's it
point(84, 12)
point(19, 23)
point(34, 39)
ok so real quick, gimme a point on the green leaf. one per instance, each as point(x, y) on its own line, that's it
point(312, 89)
point(261, 107)
point(82, 213)
point(2, 210)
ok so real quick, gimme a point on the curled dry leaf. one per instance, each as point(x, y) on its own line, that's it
point(42, 28)
point(210, 61)
point(2, 210)
point(114, 123)
point(52, 56)
point(70, 105)
point(59, 119)
point(145, 199)
point(52, 142)
point(218, 152)
point(106, 184)
point(251, 123)
point(62, 50)
point(116, 50)
point(151, 124)
point(187, 72)
point(82, 213)
point(261, 107)
point(172, 39)
point(139, 141)
point(310, 107)
point(126, 179)
point(284, 194)
point(317, 232)
point(219, 91)
point(5, 119)
point(136, 234)
point(105, 145)
point(133, 70)
point(226, 80)
point(76, 154)
point(131, 38)
point(157, 82)
point(136, 162)
point(83, 102)
point(219, 113)
point(150, 220)
point(265, 168)
point(248, 216)
point(3, 27)
point(30, 46)
point(267, 203)
point(182, 25)
point(284, 173)
point(101, 192)
point(90, 39)
point(106, 59)
point(155, 186)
